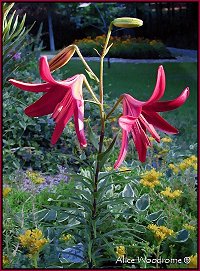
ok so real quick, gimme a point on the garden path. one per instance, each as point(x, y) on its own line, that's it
point(181, 55)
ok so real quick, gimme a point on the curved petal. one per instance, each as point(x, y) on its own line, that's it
point(156, 120)
point(149, 127)
point(77, 87)
point(44, 87)
point(45, 71)
point(159, 88)
point(123, 149)
point(141, 141)
point(60, 109)
point(169, 105)
point(62, 123)
point(131, 106)
point(46, 104)
point(126, 122)
point(79, 123)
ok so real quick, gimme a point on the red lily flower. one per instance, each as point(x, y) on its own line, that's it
point(62, 98)
point(140, 116)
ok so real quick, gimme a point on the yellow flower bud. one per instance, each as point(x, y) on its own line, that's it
point(127, 22)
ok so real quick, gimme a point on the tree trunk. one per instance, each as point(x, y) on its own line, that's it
point(51, 35)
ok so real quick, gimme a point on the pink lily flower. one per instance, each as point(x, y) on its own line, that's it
point(139, 117)
point(62, 98)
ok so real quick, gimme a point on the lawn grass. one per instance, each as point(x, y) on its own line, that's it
point(139, 80)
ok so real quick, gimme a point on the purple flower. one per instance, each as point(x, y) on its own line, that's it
point(17, 56)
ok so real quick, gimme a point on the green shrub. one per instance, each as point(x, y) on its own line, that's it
point(125, 47)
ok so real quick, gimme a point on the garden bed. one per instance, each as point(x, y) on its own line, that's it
point(125, 47)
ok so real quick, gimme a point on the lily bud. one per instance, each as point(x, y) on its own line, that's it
point(61, 58)
point(127, 22)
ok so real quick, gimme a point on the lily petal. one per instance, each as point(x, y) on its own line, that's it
point(79, 123)
point(159, 88)
point(156, 120)
point(132, 106)
point(150, 128)
point(60, 126)
point(141, 141)
point(45, 71)
point(126, 122)
point(169, 105)
point(123, 150)
point(46, 104)
point(44, 87)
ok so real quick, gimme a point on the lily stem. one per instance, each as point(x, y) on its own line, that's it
point(91, 91)
point(102, 115)
point(85, 63)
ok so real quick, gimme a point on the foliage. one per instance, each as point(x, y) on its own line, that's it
point(144, 210)
point(125, 47)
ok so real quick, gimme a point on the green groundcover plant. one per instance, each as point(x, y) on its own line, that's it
point(125, 47)
point(113, 214)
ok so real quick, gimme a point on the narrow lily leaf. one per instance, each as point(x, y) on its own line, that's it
point(14, 25)
point(107, 50)
point(93, 137)
point(6, 30)
point(6, 9)
point(102, 158)
point(91, 75)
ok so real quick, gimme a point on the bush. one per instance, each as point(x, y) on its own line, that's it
point(125, 47)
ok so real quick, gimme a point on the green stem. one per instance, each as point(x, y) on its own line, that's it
point(114, 107)
point(85, 63)
point(102, 115)
point(157, 255)
point(91, 91)
point(35, 261)
point(101, 63)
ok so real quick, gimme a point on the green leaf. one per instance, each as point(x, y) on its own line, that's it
point(90, 74)
point(93, 137)
point(143, 203)
point(182, 236)
point(161, 221)
point(128, 193)
point(154, 216)
point(102, 157)
point(51, 215)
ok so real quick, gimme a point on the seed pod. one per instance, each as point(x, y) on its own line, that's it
point(127, 22)
point(61, 58)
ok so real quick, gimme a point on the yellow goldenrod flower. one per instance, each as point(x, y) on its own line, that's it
point(109, 168)
point(124, 168)
point(5, 260)
point(150, 178)
point(193, 261)
point(160, 232)
point(166, 139)
point(189, 227)
point(151, 138)
point(70, 125)
point(33, 240)
point(6, 191)
point(163, 151)
point(66, 237)
point(35, 177)
point(173, 168)
point(172, 195)
point(120, 251)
